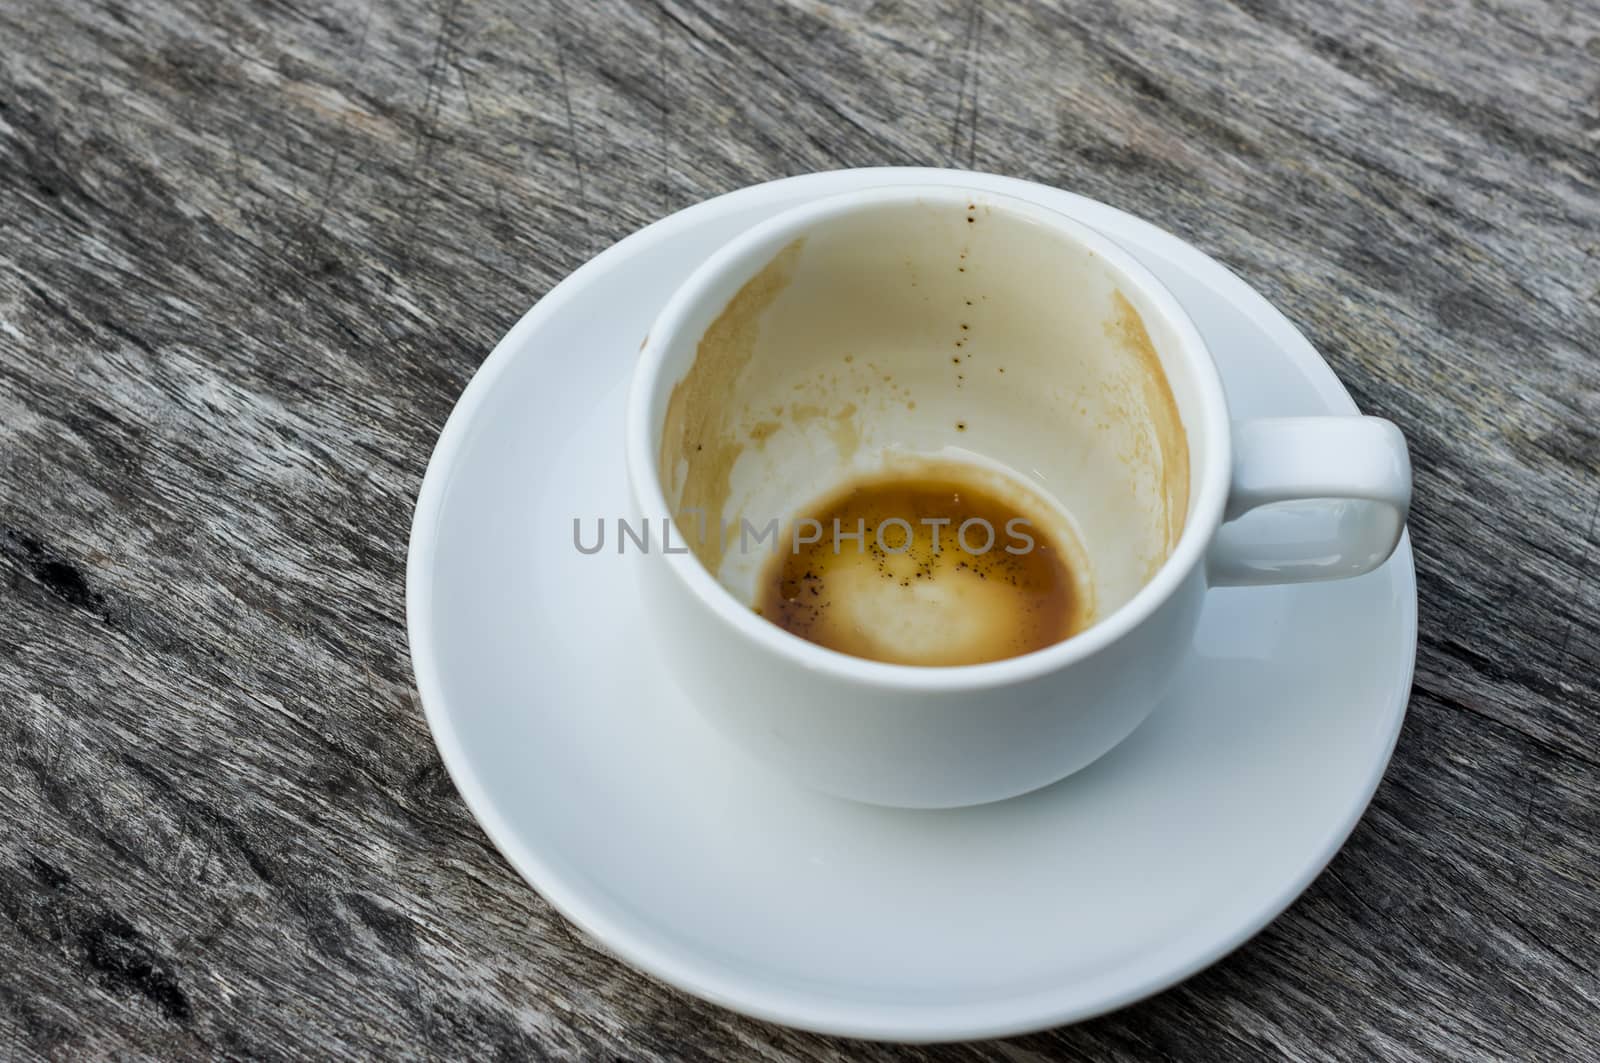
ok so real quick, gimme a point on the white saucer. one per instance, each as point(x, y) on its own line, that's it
point(603, 788)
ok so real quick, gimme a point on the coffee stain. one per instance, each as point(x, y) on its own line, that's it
point(1127, 328)
point(762, 431)
point(697, 457)
point(846, 435)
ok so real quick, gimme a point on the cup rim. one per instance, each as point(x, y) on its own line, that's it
point(1201, 522)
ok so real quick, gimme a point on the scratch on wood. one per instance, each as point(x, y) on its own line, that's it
point(572, 125)
point(661, 125)
point(1580, 592)
point(964, 127)
point(428, 117)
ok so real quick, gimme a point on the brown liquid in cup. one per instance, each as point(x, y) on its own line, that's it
point(924, 592)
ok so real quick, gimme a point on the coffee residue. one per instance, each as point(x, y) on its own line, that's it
point(1173, 442)
point(916, 588)
point(695, 407)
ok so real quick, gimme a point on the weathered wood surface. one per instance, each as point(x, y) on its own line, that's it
point(250, 254)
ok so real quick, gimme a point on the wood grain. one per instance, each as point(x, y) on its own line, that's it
point(251, 253)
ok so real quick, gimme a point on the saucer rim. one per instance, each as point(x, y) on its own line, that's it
point(687, 970)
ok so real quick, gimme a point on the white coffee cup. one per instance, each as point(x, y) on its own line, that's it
point(904, 322)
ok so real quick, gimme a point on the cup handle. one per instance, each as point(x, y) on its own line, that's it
point(1352, 479)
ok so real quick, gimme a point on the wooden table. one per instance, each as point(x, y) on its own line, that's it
point(250, 253)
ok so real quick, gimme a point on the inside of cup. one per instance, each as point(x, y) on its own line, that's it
point(947, 326)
